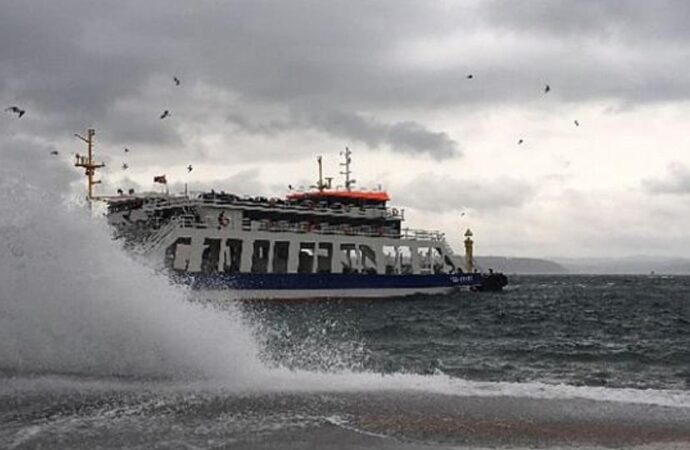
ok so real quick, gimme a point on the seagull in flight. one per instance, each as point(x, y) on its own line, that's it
point(547, 88)
point(165, 114)
point(126, 150)
point(54, 152)
point(177, 81)
point(577, 124)
point(469, 76)
point(520, 142)
point(189, 168)
point(125, 166)
point(16, 110)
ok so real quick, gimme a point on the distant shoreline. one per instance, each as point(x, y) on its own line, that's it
point(586, 266)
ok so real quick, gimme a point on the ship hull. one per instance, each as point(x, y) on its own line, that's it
point(299, 286)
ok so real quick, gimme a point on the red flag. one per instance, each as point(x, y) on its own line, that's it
point(160, 179)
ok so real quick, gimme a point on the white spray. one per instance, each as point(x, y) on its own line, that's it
point(71, 301)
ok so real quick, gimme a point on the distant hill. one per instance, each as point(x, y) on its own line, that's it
point(628, 265)
point(519, 265)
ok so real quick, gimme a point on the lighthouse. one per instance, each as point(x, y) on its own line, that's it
point(469, 251)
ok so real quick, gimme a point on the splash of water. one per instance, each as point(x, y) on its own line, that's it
point(71, 301)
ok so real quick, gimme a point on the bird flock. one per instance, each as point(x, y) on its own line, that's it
point(20, 112)
point(167, 113)
point(547, 89)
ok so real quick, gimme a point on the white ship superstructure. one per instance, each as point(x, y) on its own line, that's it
point(321, 242)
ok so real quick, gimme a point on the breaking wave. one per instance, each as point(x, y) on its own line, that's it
point(74, 304)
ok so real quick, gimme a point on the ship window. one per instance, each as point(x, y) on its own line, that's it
point(324, 257)
point(391, 259)
point(349, 258)
point(260, 256)
point(281, 252)
point(437, 263)
point(405, 255)
point(233, 256)
point(368, 259)
point(210, 255)
point(424, 258)
point(306, 257)
point(177, 255)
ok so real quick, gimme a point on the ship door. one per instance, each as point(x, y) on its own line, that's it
point(368, 259)
point(233, 256)
point(177, 256)
point(260, 256)
point(210, 255)
point(324, 257)
point(306, 257)
point(281, 253)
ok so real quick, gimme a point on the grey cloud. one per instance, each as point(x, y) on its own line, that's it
point(406, 137)
point(444, 193)
point(244, 182)
point(73, 63)
point(662, 20)
point(677, 181)
point(31, 160)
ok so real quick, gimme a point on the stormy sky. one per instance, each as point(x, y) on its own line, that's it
point(266, 86)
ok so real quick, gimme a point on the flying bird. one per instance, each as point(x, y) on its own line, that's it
point(577, 124)
point(547, 88)
point(126, 150)
point(165, 114)
point(177, 81)
point(125, 166)
point(469, 76)
point(189, 168)
point(520, 141)
point(16, 110)
point(54, 152)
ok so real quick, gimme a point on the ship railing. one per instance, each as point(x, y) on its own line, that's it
point(166, 203)
point(317, 207)
point(422, 235)
point(320, 228)
point(341, 229)
point(159, 236)
point(283, 226)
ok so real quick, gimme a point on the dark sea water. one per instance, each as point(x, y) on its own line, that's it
point(613, 331)
point(556, 362)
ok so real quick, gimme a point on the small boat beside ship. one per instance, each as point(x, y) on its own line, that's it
point(323, 242)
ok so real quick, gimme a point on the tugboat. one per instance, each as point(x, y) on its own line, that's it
point(323, 242)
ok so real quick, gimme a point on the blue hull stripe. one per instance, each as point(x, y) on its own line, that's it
point(324, 281)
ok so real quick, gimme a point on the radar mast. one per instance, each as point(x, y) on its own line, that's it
point(87, 162)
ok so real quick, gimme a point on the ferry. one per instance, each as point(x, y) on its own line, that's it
point(322, 242)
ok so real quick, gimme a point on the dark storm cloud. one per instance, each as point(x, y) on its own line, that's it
point(109, 64)
point(677, 181)
point(407, 137)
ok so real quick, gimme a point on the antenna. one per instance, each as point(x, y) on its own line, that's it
point(347, 172)
point(320, 185)
point(88, 163)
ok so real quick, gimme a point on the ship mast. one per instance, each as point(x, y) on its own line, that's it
point(348, 182)
point(87, 162)
point(320, 185)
